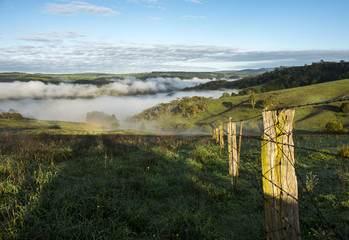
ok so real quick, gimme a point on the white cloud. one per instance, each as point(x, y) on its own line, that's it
point(87, 56)
point(192, 17)
point(194, 1)
point(65, 34)
point(155, 19)
point(41, 39)
point(138, 1)
point(76, 7)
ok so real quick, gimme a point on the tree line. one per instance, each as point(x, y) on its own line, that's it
point(285, 77)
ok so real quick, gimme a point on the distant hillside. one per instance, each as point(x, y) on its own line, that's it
point(285, 77)
point(312, 118)
point(101, 78)
point(248, 71)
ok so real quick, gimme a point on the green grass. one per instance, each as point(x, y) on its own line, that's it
point(152, 187)
point(310, 118)
point(61, 128)
point(307, 118)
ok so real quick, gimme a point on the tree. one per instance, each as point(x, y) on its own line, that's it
point(333, 126)
point(103, 119)
point(269, 102)
point(225, 95)
point(344, 107)
point(253, 100)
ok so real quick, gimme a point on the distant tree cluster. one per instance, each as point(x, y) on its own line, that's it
point(185, 106)
point(290, 77)
point(335, 127)
point(101, 118)
point(11, 115)
point(285, 77)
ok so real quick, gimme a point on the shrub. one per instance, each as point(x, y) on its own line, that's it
point(269, 102)
point(185, 126)
point(344, 151)
point(167, 126)
point(206, 127)
point(344, 107)
point(14, 116)
point(227, 104)
point(102, 118)
point(333, 126)
point(225, 95)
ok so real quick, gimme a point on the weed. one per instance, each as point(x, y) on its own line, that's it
point(344, 151)
point(311, 182)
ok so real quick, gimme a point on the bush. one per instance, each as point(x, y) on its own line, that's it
point(206, 127)
point(344, 151)
point(167, 126)
point(344, 107)
point(333, 127)
point(227, 104)
point(14, 116)
point(185, 126)
point(269, 102)
point(103, 119)
point(225, 95)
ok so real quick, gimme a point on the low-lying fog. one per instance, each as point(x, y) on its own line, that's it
point(71, 102)
point(117, 87)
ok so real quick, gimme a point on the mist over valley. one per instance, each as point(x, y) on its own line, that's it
point(71, 102)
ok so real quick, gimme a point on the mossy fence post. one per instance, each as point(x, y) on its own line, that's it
point(279, 178)
point(232, 150)
point(221, 137)
point(217, 135)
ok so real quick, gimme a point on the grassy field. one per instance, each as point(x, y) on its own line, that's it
point(307, 118)
point(155, 187)
point(61, 180)
point(310, 118)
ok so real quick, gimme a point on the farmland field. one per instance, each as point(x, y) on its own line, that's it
point(156, 187)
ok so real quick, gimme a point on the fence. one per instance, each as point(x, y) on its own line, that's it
point(279, 174)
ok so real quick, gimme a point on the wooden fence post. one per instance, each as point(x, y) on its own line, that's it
point(279, 178)
point(237, 157)
point(221, 137)
point(213, 133)
point(230, 146)
point(217, 135)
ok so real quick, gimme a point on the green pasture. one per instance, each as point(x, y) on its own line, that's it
point(156, 187)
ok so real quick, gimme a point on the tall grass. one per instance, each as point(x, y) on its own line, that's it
point(146, 187)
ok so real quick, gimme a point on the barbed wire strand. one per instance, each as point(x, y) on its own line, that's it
point(343, 99)
point(318, 212)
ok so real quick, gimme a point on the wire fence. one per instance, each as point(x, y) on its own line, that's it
point(313, 209)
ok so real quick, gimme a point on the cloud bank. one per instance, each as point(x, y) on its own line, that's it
point(76, 7)
point(127, 86)
point(64, 52)
point(75, 110)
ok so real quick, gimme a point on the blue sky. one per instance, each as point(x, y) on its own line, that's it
point(124, 36)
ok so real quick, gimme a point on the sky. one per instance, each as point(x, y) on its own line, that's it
point(129, 36)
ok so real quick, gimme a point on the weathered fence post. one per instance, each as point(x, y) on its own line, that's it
point(230, 146)
point(217, 135)
point(221, 137)
point(232, 150)
point(279, 178)
point(240, 135)
point(213, 133)
point(237, 158)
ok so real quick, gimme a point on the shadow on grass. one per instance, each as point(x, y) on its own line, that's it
point(141, 187)
point(311, 115)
